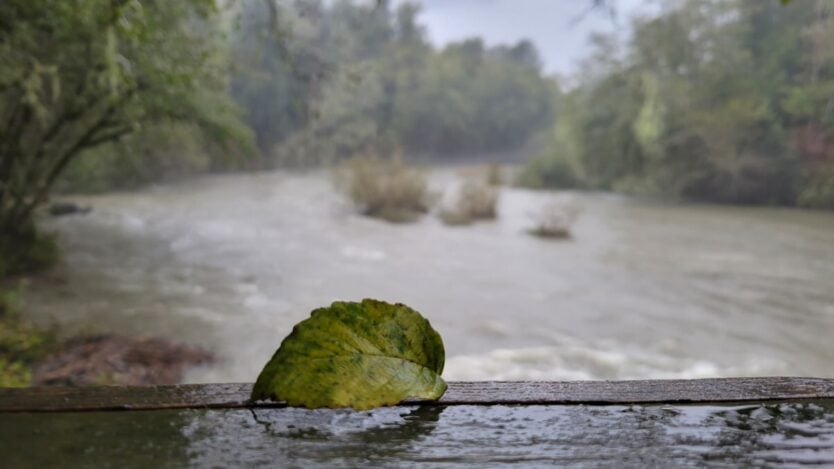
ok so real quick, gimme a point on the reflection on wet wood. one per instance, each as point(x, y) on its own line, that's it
point(229, 396)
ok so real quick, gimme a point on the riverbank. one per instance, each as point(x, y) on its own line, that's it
point(643, 289)
point(114, 359)
point(35, 356)
point(21, 344)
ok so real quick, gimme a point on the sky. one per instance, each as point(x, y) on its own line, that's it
point(559, 28)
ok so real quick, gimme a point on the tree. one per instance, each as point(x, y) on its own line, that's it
point(76, 75)
point(374, 81)
point(726, 101)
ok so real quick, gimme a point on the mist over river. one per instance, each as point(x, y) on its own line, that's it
point(643, 290)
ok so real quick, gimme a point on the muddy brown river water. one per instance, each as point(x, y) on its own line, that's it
point(643, 290)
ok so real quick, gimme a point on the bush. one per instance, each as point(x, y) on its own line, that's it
point(20, 343)
point(549, 172)
point(388, 189)
point(494, 175)
point(156, 153)
point(818, 192)
point(555, 221)
point(476, 201)
point(454, 218)
point(26, 251)
point(14, 374)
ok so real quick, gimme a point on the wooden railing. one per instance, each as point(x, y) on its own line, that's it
point(230, 396)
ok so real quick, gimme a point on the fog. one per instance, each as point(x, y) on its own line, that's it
point(559, 28)
point(209, 178)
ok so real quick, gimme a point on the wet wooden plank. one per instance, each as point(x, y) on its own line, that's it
point(236, 395)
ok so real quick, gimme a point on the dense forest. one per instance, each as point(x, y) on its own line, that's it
point(728, 101)
point(725, 101)
point(82, 77)
point(349, 76)
point(318, 81)
point(99, 95)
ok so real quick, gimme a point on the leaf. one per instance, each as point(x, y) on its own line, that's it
point(360, 355)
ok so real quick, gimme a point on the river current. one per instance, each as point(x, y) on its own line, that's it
point(644, 289)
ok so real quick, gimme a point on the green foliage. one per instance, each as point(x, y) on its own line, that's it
point(562, 164)
point(819, 191)
point(14, 374)
point(272, 85)
point(20, 343)
point(385, 188)
point(472, 99)
point(25, 250)
point(155, 153)
point(77, 75)
point(726, 101)
point(551, 171)
point(347, 76)
point(359, 355)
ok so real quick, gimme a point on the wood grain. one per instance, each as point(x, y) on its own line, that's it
point(236, 395)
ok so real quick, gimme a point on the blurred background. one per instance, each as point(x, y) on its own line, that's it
point(565, 189)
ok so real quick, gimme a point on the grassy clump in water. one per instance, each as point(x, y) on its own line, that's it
point(555, 221)
point(21, 344)
point(494, 175)
point(386, 188)
point(476, 201)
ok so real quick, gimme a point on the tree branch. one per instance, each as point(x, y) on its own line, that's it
point(89, 138)
point(111, 136)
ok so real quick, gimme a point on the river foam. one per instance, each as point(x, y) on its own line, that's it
point(585, 363)
point(642, 290)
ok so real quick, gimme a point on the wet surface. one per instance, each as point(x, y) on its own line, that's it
point(778, 434)
point(644, 290)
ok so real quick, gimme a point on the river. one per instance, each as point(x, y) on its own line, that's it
point(643, 290)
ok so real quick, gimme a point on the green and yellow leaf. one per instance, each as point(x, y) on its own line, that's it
point(359, 355)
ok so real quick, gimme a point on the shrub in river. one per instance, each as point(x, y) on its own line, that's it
point(453, 217)
point(386, 188)
point(476, 201)
point(494, 175)
point(555, 221)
